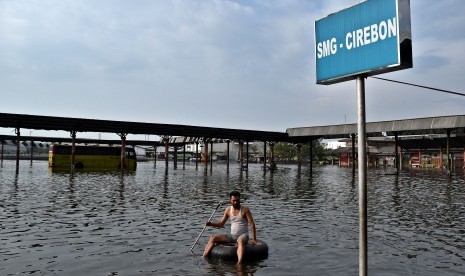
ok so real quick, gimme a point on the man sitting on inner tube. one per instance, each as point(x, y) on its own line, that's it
point(240, 217)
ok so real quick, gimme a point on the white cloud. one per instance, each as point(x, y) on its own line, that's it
point(238, 64)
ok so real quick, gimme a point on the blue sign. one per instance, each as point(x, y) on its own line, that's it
point(370, 38)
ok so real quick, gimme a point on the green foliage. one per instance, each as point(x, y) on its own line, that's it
point(287, 151)
point(319, 152)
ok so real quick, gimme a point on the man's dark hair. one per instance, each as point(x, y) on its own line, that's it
point(235, 194)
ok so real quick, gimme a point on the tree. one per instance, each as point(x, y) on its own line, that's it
point(319, 151)
point(284, 151)
point(287, 151)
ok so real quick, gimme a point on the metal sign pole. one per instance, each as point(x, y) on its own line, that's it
point(362, 177)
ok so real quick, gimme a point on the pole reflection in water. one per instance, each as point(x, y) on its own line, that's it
point(144, 222)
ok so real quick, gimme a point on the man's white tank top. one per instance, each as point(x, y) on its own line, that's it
point(239, 224)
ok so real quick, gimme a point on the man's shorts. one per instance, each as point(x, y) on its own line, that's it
point(233, 238)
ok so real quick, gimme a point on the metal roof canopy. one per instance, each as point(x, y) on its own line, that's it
point(424, 143)
point(419, 126)
point(91, 125)
point(79, 140)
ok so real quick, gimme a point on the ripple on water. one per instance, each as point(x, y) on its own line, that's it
point(145, 222)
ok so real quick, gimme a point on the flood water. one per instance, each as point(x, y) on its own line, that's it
point(144, 222)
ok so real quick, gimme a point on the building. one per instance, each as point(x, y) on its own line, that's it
point(420, 151)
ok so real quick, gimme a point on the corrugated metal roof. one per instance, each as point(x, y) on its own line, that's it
point(13, 138)
point(419, 126)
point(91, 125)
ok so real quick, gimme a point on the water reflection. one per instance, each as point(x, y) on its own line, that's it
point(222, 267)
point(144, 222)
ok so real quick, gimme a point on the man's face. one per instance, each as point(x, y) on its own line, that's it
point(235, 201)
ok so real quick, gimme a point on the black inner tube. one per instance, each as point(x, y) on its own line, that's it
point(229, 251)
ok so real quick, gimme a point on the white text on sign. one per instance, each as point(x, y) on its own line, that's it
point(360, 37)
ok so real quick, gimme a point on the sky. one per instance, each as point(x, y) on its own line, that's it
point(217, 63)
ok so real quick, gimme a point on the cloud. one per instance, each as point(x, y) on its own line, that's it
point(225, 63)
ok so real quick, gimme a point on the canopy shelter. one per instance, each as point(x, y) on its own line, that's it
point(418, 126)
point(91, 125)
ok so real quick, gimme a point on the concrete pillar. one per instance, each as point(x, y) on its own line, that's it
point(18, 144)
point(241, 154)
point(449, 169)
point(299, 157)
point(175, 156)
point(183, 156)
point(264, 157)
point(205, 153)
point(401, 159)
point(73, 149)
point(2, 151)
point(123, 151)
point(211, 155)
point(396, 157)
point(311, 158)
point(32, 150)
point(353, 154)
point(272, 152)
point(247, 155)
point(196, 155)
point(227, 154)
point(155, 156)
point(167, 152)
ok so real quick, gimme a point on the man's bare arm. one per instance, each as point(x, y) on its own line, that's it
point(222, 222)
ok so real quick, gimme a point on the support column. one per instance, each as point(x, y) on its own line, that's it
point(241, 154)
point(175, 156)
point(353, 155)
point(73, 149)
point(18, 144)
point(272, 151)
point(206, 152)
point(401, 158)
point(273, 166)
point(227, 155)
point(211, 155)
point(3, 142)
point(123, 151)
point(448, 153)
point(167, 152)
point(311, 158)
point(247, 155)
point(155, 156)
point(32, 150)
point(396, 158)
point(206, 155)
point(299, 157)
point(196, 155)
point(264, 157)
point(184, 156)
